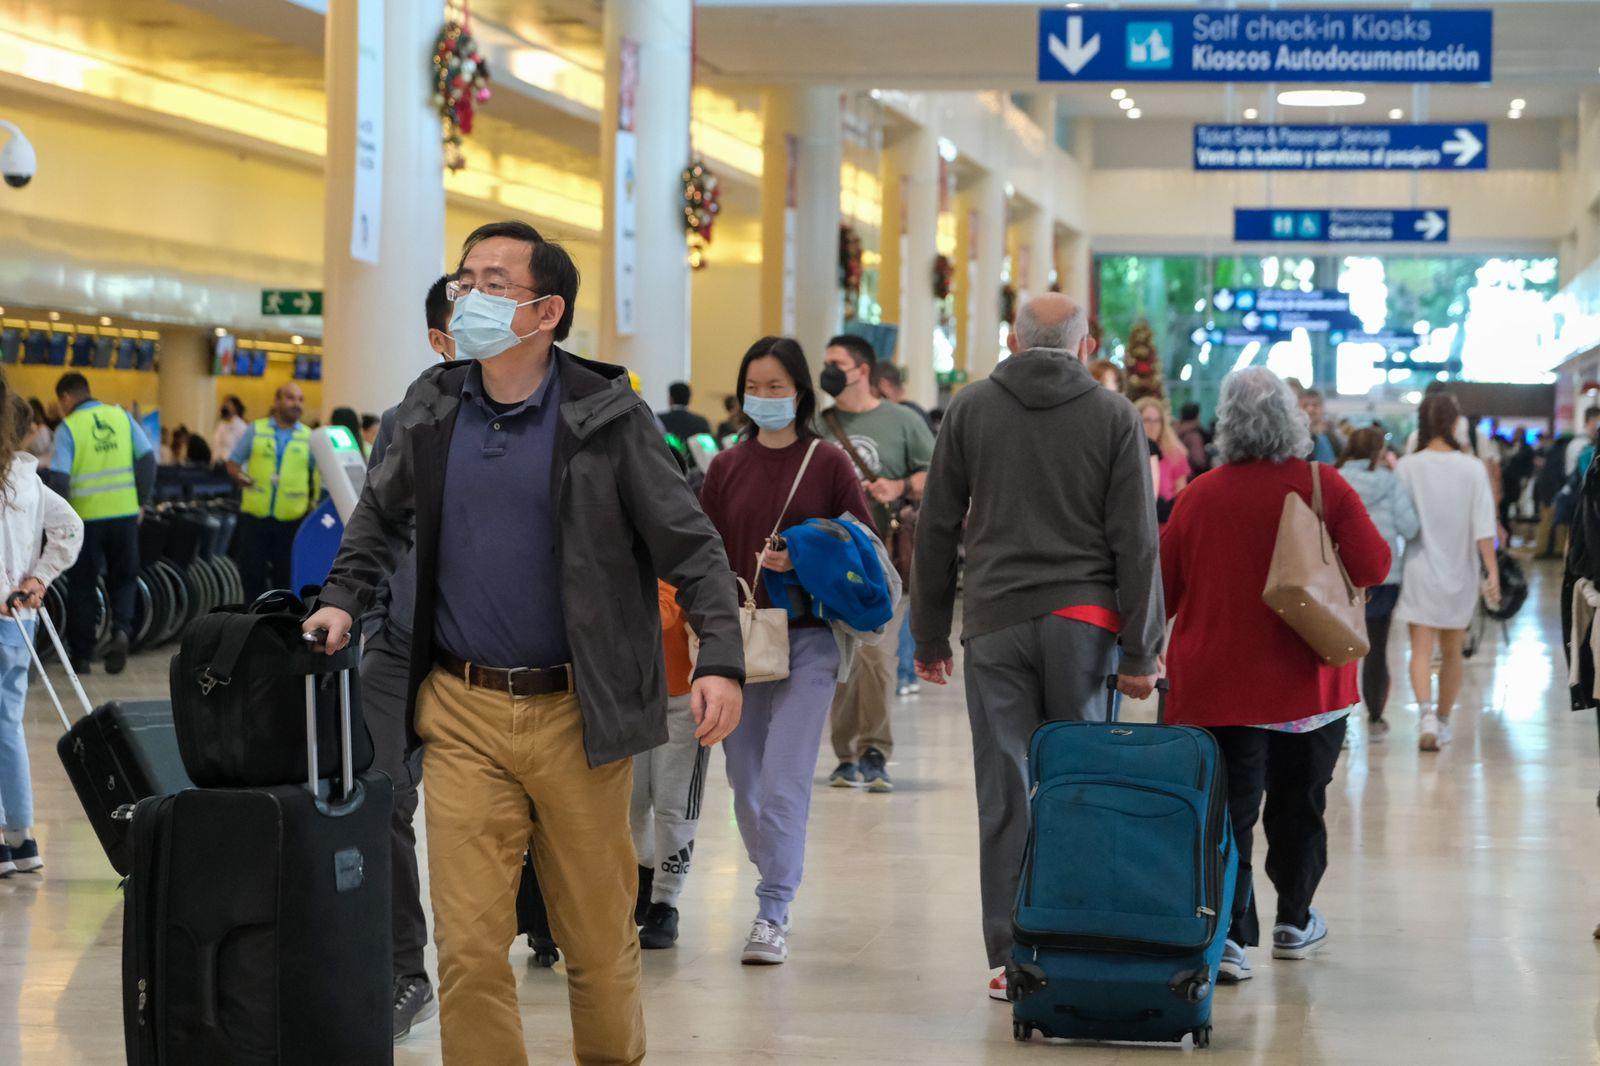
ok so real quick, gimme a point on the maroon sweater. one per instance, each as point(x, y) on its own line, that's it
point(746, 487)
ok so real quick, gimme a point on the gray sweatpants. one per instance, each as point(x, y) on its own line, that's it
point(1049, 669)
point(667, 785)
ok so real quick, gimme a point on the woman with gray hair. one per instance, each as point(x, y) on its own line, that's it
point(1237, 669)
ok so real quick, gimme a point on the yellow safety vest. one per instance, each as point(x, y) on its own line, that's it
point(283, 490)
point(102, 463)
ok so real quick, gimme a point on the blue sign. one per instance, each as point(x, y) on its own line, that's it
point(1368, 147)
point(1294, 45)
point(1341, 225)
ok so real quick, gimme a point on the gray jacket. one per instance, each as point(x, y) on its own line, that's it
point(1390, 507)
point(625, 516)
point(1047, 475)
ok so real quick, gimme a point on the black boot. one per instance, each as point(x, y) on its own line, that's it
point(647, 878)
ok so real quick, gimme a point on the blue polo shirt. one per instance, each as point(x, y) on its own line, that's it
point(499, 577)
point(66, 448)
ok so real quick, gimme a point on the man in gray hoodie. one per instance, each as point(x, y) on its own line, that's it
point(1047, 476)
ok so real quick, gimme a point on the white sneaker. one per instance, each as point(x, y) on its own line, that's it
point(1444, 732)
point(1428, 732)
point(767, 945)
point(1235, 966)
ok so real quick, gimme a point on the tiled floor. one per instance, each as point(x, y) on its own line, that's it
point(1462, 895)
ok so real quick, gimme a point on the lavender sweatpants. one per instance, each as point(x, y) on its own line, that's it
point(772, 758)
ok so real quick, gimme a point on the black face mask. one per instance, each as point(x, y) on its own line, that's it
point(833, 380)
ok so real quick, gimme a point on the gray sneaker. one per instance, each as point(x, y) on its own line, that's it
point(414, 1002)
point(767, 946)
point(847, 775)
point(1288, 942)
point(1235, 967)
point(875, 772)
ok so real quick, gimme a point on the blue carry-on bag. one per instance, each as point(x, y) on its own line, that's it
point(1127, 885)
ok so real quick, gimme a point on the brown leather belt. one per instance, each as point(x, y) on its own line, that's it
point(520, 681)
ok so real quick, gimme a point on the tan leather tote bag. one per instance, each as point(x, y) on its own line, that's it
point(1307, 584)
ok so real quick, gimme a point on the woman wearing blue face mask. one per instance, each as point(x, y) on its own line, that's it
point(772, 755)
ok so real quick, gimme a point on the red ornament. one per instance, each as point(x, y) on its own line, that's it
point(1141, 367)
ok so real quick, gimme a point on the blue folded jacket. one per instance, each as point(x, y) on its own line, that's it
point(836, 564)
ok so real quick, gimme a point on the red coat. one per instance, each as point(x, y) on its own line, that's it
point(1231, 660)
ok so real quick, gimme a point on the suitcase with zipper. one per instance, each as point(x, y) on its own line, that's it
point(115, 755)
point(256, 928)
point(1127, 885)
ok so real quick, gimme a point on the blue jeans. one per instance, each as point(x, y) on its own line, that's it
point(16, 787)
point(908, 653)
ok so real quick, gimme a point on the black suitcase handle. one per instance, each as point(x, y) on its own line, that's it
point(1111, 697)
point(346, 749)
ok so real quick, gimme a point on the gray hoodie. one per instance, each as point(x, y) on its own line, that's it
point(1049, 474)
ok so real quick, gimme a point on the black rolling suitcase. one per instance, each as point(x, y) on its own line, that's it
point(115, 755)
point(256, 927)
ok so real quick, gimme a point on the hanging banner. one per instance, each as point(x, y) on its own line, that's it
point(626, 175)
point(1291, 45)
point(791, 204)
point(1414, 146)
point(366, 214)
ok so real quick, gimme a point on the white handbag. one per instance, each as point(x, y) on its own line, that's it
point(765, 630)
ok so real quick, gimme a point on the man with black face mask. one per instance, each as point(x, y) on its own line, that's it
point(891, 447)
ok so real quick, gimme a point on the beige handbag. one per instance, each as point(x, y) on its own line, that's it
point(765, 629)
point(1307, 584)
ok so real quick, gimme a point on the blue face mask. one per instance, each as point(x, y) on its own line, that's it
point(770, 412)
point(481, 324)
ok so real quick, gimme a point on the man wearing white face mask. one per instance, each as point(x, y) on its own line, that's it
point(546, 503)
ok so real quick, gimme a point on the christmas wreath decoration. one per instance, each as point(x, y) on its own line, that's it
point(944, 273)
point(850, 261)
point(700, 200)
point(460, 84)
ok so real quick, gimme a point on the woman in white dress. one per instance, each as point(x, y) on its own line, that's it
point(1439, 588)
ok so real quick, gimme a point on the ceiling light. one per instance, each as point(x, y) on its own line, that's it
point(1125, 103)
point(1118, 94)
point(1321, 98)
point(55, 316)
point(1513, 114)
point(105, 320)
point(220, 332)
point(1395, 112)
point(1251, 113)
point(1134, 112)
point(947, 150)
point(1518, 104)
point(876, 94)
point(297, 339)
point(1074, 5)
point(1011, 190)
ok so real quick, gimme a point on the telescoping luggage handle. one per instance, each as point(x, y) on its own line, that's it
point(12, 603)
point(346, 760)
point(1111, 698)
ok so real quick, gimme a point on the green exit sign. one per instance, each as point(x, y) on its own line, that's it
point(291, 302)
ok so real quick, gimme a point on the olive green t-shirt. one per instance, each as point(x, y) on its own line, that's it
point(892, 440)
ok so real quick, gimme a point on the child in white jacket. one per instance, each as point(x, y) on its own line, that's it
point(40, 537)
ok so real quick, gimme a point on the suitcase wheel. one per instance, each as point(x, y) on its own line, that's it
point(1022, 1031)
point(1202, 1036)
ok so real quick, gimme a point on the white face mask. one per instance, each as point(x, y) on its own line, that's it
point(481, 324)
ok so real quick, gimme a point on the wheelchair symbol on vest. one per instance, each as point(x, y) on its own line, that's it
point(105, 437)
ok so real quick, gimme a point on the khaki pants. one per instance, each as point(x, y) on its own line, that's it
point(861, 704)
point(487, 755)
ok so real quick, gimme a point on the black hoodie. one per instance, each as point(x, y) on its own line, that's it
point(1049, 476)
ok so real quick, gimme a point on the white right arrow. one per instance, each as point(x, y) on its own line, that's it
point(1465, 147)
point(303, 303)
point(1430, 225)
point(1074, 53)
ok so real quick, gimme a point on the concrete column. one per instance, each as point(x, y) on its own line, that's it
point(187, 391)
point(988, 199)
point(802, 152)
point(912, 168)
point(373, 327)
point(656, 347)
point(1076, 267)
point(1039, 242)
